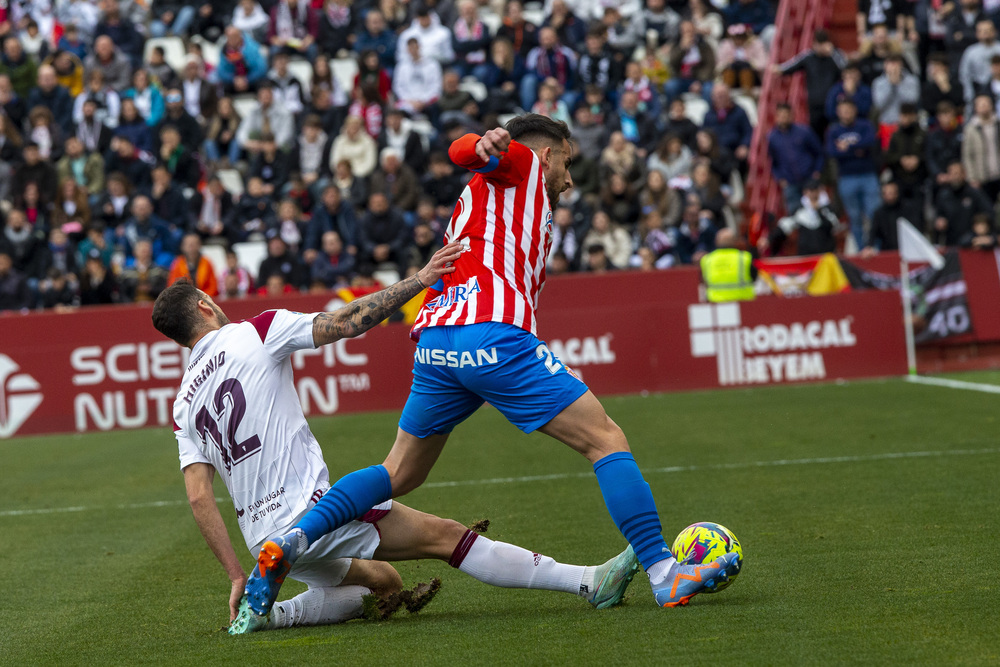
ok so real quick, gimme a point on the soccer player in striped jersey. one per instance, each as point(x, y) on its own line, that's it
point(477, 343)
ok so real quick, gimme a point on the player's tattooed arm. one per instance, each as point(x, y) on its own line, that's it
point(362, 314)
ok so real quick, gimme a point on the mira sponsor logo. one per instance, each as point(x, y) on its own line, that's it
point(19, 396)
point(767, 352)
point(455, 294)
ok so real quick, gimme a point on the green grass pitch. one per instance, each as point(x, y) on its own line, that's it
point(858, 549)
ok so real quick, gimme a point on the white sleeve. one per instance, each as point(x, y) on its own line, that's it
point(283, 332)
point(188, 450)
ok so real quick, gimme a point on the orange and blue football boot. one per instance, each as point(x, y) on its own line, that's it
point(273, 563)
point(686, 581)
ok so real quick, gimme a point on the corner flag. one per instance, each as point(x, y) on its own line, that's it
point(914, 247)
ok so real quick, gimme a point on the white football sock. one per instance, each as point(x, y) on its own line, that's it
point(509, 566)
point(660, 570)
point(318, 606)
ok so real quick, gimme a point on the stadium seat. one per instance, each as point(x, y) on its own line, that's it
point(303, 71)
point(474, 87)
point(749, 105)
point(345, 69)
point(423, 127)
point(216, 256)
point(738, 191)
point(174, 52)
point(245, 105)
point(387, 276)
point(250, 254)
point(695, 109)
point(231, 180)
point(490, 20)
point(503, 118)
point(534, 14)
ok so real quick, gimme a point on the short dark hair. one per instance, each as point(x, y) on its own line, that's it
point(175, 313)
point(533, 126)
point(783, 105)
point(821, 36)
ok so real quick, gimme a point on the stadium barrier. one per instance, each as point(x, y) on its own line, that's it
point(105, 368)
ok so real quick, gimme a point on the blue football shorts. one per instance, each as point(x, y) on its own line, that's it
point(458, 368)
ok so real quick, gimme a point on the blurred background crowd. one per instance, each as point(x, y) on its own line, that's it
point(298, 145)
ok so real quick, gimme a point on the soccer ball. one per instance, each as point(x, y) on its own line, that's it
point(703, 542)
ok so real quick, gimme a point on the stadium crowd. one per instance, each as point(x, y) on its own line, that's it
point(136, 136)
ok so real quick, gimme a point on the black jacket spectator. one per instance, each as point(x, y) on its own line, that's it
point(383, 226)
point(26, 248)
point(14, 294)
point(281, 261)
point(332, 214)
point(943, 146)
point(958, 206)
point(883, 234)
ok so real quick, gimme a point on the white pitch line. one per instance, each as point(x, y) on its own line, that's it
point(747, 465)
point(954, 384)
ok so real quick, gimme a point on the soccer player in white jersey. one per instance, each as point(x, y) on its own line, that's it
point(237, 414)
point(477, 343)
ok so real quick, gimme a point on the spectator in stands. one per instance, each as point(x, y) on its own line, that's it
point(974, 67)
point(33, 169)
point(93, 133)
point(821, 65)
point(585, 173)
point(692, 63)
point(852, 88)
point(441, 184)
point(14, 293)
point(59, 290)
point(676, 122)
point(706, 185)
point(352, 188)
point(741, 58)
point(191, 264)
point(638, 127)
point(755, 13)
point(955, 206)
point(941, 85)
point(72, 208)
point(597, 65)
point(654, 243)
point(672, 159)
point(336, 26)
point(98, 284)
point(398, 133)
point(981, 236)
point(148, 99)
point(250, 17)
point(113, 207)
point(19, 66)
point(73, 40)
point(624, 35)
point(981, 148)
point(293, 28)
point(270, 165)
point(638, 82)
point(106, 101)
point(177, 159)
point(161, 74)
point(177, 116)
point(417, 81)
point(236, 280)
point(905, 157)
point(383, 234)
point(122, 33)
point(42, 130)
point(220, 137)
point(875, 52)
point(281, 261)
point(270, 118)
point(470, 41)
point(49, 94)
point(287, 89)
point(611, 237)
point(618, 198)
point(241, 65)
point(814, 224)
point(719, 157)
point(142, 280)
point(85, 169)
point(163, 234)
point(69, 71)
point(216, 211)
point(695, 236)
point(548, 103)
point(108, 59)
point(664, 22)
point(501, 75)
point(657, 194)
point(377, 37)
point(332, 265)
point(254, 211)
point(570, 28)
point(354, 145)
point(591, 135)
point(883, 234)
point(892, 15)
point(894, 87)
point(454, 104)
point(395, 180)
point(310, 156)
point(852, 142)
point(167, 197)
point(12, 104)
point(26, 246)
point(729, 122)
point(622, 158)
point(96, 240)
point(423, 247)
point(796, 156)
point(548, 59)
point(434, 38)
point(200, 97)
point(332, 214)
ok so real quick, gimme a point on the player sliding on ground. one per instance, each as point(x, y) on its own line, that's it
point(237, 413)
point(476, 343)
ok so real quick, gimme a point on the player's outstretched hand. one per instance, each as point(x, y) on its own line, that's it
point(440, 264)
point(494, 143)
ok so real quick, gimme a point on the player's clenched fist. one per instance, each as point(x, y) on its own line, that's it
point(440, 264)
point(494, 143)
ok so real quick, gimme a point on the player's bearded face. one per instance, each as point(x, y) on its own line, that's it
point(557, 178)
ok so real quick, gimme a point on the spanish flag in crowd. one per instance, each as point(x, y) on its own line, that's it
point(799, 276)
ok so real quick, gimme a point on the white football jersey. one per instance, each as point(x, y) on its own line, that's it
point(237, 409)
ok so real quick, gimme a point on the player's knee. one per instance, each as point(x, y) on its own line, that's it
point(607, 438)
point(384, 578)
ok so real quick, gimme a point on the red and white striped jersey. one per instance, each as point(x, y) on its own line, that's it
point(504, 220)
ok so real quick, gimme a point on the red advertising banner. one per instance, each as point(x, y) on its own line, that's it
point(106, 368)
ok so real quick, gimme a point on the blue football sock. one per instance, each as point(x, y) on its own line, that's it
point(347, 500)
point(630, 503)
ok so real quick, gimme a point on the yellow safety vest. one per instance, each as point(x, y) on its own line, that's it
point(727, 275)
